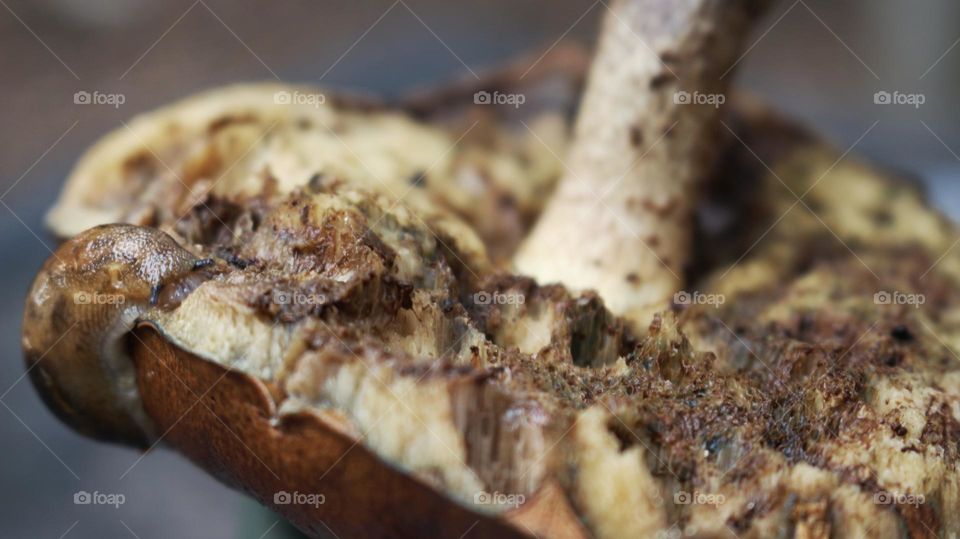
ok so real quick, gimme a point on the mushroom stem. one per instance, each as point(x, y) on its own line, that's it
point(620, 220)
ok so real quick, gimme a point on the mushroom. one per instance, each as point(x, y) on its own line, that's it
point(299, 329)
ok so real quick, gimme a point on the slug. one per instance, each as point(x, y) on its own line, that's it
point(81, 307)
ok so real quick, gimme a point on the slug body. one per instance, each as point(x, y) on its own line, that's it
point(80, 309)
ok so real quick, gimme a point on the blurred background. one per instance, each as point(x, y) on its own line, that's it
point(821, 61)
